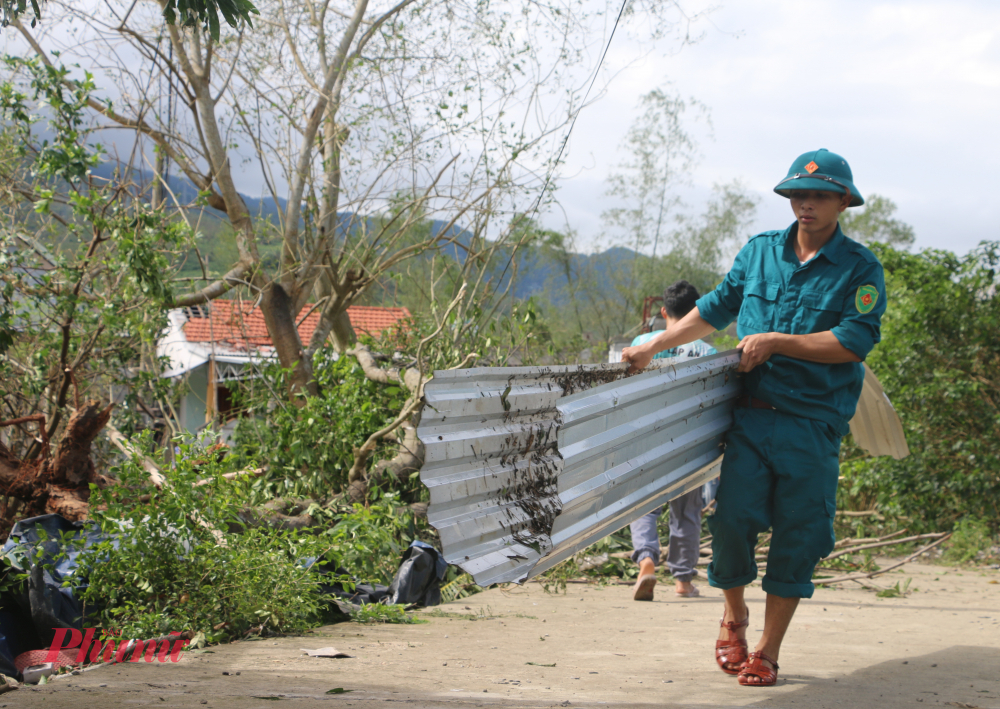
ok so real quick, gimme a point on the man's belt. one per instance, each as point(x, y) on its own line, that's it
point(749, 402)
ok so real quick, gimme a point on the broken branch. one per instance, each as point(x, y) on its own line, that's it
point(871, 574)
point(253, 472)
point(126, 447)
point(854, 549)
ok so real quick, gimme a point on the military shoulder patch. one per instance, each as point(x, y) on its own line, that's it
point(866, 298)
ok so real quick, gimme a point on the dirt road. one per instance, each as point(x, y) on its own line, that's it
point(521, 647)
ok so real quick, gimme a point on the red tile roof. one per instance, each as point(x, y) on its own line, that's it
point(241, 327)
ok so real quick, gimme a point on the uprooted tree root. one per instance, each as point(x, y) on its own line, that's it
point(58, 483)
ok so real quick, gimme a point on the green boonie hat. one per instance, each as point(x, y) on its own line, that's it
point(820, 170)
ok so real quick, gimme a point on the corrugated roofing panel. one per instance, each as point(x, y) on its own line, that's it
point(527, 465)
point(876, 426)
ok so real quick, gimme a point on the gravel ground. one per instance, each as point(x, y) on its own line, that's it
point(939, 646)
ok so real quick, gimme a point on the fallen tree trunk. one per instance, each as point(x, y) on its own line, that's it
point(280, 513)
point(409, 458)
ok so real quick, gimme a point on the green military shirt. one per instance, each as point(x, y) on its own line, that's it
point(841, 289)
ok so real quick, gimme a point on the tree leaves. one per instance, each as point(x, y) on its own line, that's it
point(939, 362)
point(876, 223)
point(187, 13)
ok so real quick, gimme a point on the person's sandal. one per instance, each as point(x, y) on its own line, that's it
point(643, 590)
point(734, 650)
point(755, 667)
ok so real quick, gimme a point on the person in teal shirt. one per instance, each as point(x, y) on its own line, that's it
point(808, 303)
point(683, 545)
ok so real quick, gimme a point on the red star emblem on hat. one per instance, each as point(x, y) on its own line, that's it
point(812, 167)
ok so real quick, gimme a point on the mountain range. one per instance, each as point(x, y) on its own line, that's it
point(536, 273)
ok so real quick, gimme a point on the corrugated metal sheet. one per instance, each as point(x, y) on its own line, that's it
point(876, 426)
point(528, 465)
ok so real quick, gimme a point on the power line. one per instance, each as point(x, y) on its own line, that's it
point(572, 125)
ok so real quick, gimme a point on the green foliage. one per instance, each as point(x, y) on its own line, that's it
point(169, 573)
point(876, 223)
point(187, 13)
point(899, 590)
point(725, 342)
point(368, 540)
point(86, 276)
point(970, 541)
point(309, 449)
point(11, 10)
point(514, 330)
point(382, 613)
point(165, 569)
point(68, 157)
point(595, 562)
point(205, 13)
point(7, 328)
point(461, 586)
point(939, 362)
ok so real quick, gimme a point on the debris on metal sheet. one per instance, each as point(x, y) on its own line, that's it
point(585, 379)
point(876, 426)
point(528, 465)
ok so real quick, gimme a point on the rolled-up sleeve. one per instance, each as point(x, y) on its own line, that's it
point(722, 305)
point(860, 327)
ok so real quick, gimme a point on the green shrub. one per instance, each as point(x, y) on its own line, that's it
point(367, 541)
point(970, 540)
point(939, 362)
point(309, 450)
point(172, 563)
point(382, 613)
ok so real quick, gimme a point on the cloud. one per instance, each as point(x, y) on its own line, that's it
point(906, 91)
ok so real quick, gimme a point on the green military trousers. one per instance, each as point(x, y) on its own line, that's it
point(780, 472)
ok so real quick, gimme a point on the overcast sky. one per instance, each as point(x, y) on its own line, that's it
point(907, 91)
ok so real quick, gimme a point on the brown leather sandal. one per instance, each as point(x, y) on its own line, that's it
point(755, 667)
point(733, 651)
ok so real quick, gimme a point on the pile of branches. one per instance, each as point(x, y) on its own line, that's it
point(845, 547)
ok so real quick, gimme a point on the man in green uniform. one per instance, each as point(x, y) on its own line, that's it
point(808, 303)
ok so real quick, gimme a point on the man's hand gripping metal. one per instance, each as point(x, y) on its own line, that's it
point(757, 349)
point(637, 357)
